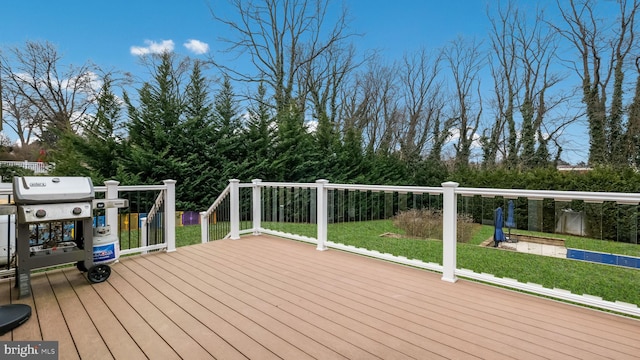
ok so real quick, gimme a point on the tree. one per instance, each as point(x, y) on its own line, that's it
point(373, 106)
point(281, 38)
point(154, 124)
point(465, 60)
point(423, 103)
point(632, 135)
point(259, 138)
point(195, 146)
point(228, 131)
point(294, 162)
point(603, 55)
point(502, 137)
point(324, 79)
point(96, 150)
point(44, 96)
point(522, 58)
point(19, 116)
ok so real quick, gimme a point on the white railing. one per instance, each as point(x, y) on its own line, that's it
point(450, 194)
point(212, 212)
point(164, 202)
point(38, 168)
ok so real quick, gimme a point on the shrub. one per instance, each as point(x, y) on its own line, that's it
point(7, 172)
point(427, 224)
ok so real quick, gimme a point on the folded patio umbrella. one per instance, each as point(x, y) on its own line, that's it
point(498, 234)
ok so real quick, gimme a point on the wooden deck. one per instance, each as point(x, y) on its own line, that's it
point(268, 298)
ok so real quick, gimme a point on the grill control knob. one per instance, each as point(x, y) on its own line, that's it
point(76, 211)
point(41, 213)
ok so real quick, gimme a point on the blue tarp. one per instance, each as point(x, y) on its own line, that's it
point(603, 258)
point(498, 234)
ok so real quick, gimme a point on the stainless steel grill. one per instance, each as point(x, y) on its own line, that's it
point(54, 226)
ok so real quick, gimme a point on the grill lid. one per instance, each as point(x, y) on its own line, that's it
point(51, 189)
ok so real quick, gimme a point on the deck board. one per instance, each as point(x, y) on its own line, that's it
point(52, 322)
point(380, 338)
point(115, 336)
point(509, 316)
point(148, 340)
point(381, 314)
point(268, 298)
point(470, 326)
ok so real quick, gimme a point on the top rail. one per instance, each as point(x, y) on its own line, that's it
point(598, 197)
point(219, 200)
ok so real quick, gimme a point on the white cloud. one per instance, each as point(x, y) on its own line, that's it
point(153, 47)
point(196, 46)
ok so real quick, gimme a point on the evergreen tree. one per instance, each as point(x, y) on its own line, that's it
point(97, 150)
point(351, 166)
point(542, 155)
point(293, 161)
point(196, 147)
point(228, 131)
point(258, 139)
point(154, 126)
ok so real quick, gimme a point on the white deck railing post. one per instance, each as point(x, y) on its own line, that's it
point(322, 214)
point(170, 214)
point(257, 206)
point(111, 214)
point(144, 234)
point(204, 227)
point(449, 231)
point(235, 208)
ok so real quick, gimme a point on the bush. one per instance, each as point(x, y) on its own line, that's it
point(8, 172)
point(427, 224)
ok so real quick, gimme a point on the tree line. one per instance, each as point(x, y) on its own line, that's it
point(312, 106)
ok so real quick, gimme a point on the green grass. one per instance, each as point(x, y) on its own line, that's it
point(185, 235)
point(188, 235)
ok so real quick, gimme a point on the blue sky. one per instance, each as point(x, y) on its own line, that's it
point(113, 33)
point(105, 32)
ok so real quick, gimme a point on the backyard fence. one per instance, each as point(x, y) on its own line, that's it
point(38, 168)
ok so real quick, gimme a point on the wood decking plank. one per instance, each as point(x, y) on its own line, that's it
point(362, 314)
point(572, 346)
point(53, 324)
point(30, 329)
point(5, 298)
point(164, 298)
point(89, 343)
point(236, 315)
point(115, 336)
point(390, 308)
point(152, 344)
point(517, 314)
point(172, 334)
point(604, 349)
point(263, 297)
point(340, 347)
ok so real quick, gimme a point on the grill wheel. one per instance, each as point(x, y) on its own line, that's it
point(99, 273)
